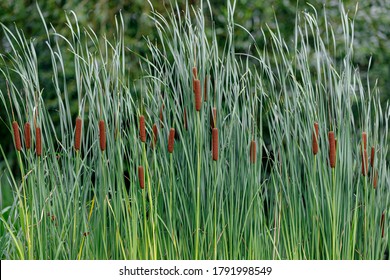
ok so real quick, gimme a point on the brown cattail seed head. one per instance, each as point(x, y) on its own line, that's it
point(142, 130)
point(141, 177)
point(77, 139)
point(38, 146)
point(375, 180)
point(27, 135)
point(332, 149)
point(253, 152)
point(198, 97)
point(315, 139)
point(171, 140)
point(185, 119)
point(155, 134)
point(205, 88)
point(215, 143)
point(102, 135)
point(195, 72)
point(372, 156)
point(364, 162)
point(18, 144)
point(364, 140)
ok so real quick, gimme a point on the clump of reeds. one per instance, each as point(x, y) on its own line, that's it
point(253, 152)
point(142, 130)
point(332, 149)
point(215, 143)
point(77, 139)
point(141, 177)
point(38, 137)
point(171, 140)
point(18, 143)
point(315, 139)
point(102, 135)
point(27, 135)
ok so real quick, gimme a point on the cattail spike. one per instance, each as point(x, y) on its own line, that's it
point(38, 145)
point(155, 134)
point(102, 135)
point(198, 97)
point(315, 139)
point(215, 143)
point(171, 140)
point(77, 139)
point(332, 149)
point(27, 135)
point(142, 130)
point(372, 156)
point(364, 139)
point(18, 143)
point(141, 177)
point(375, 180)
point(253, 152)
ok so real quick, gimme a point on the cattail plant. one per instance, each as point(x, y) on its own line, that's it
point(364, 140)
point(18, 144)
point(375, 179)
point(142, 130)
point(102, 135)
point(27, 135)
point(332, 149)
point(155, 135)
point(198, 97)
point(215, 143)
point(253, 152)
point(315, 136)
point(171, 140)
point(141, 177)
point(38, 145)
point(77, 139)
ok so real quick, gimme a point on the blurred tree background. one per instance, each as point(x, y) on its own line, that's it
point(371, 32)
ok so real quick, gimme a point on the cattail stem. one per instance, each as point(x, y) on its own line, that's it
point(315, 139)
point(18, 143)
point(77, 139)
point(38, 146)
point(215, 143)
point(27, 135)
point(253, 152)
point(332, 149)
point(142, 130)
point(171, 140)
point(102, 135)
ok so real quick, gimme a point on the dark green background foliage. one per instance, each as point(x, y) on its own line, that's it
point(371, 32)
